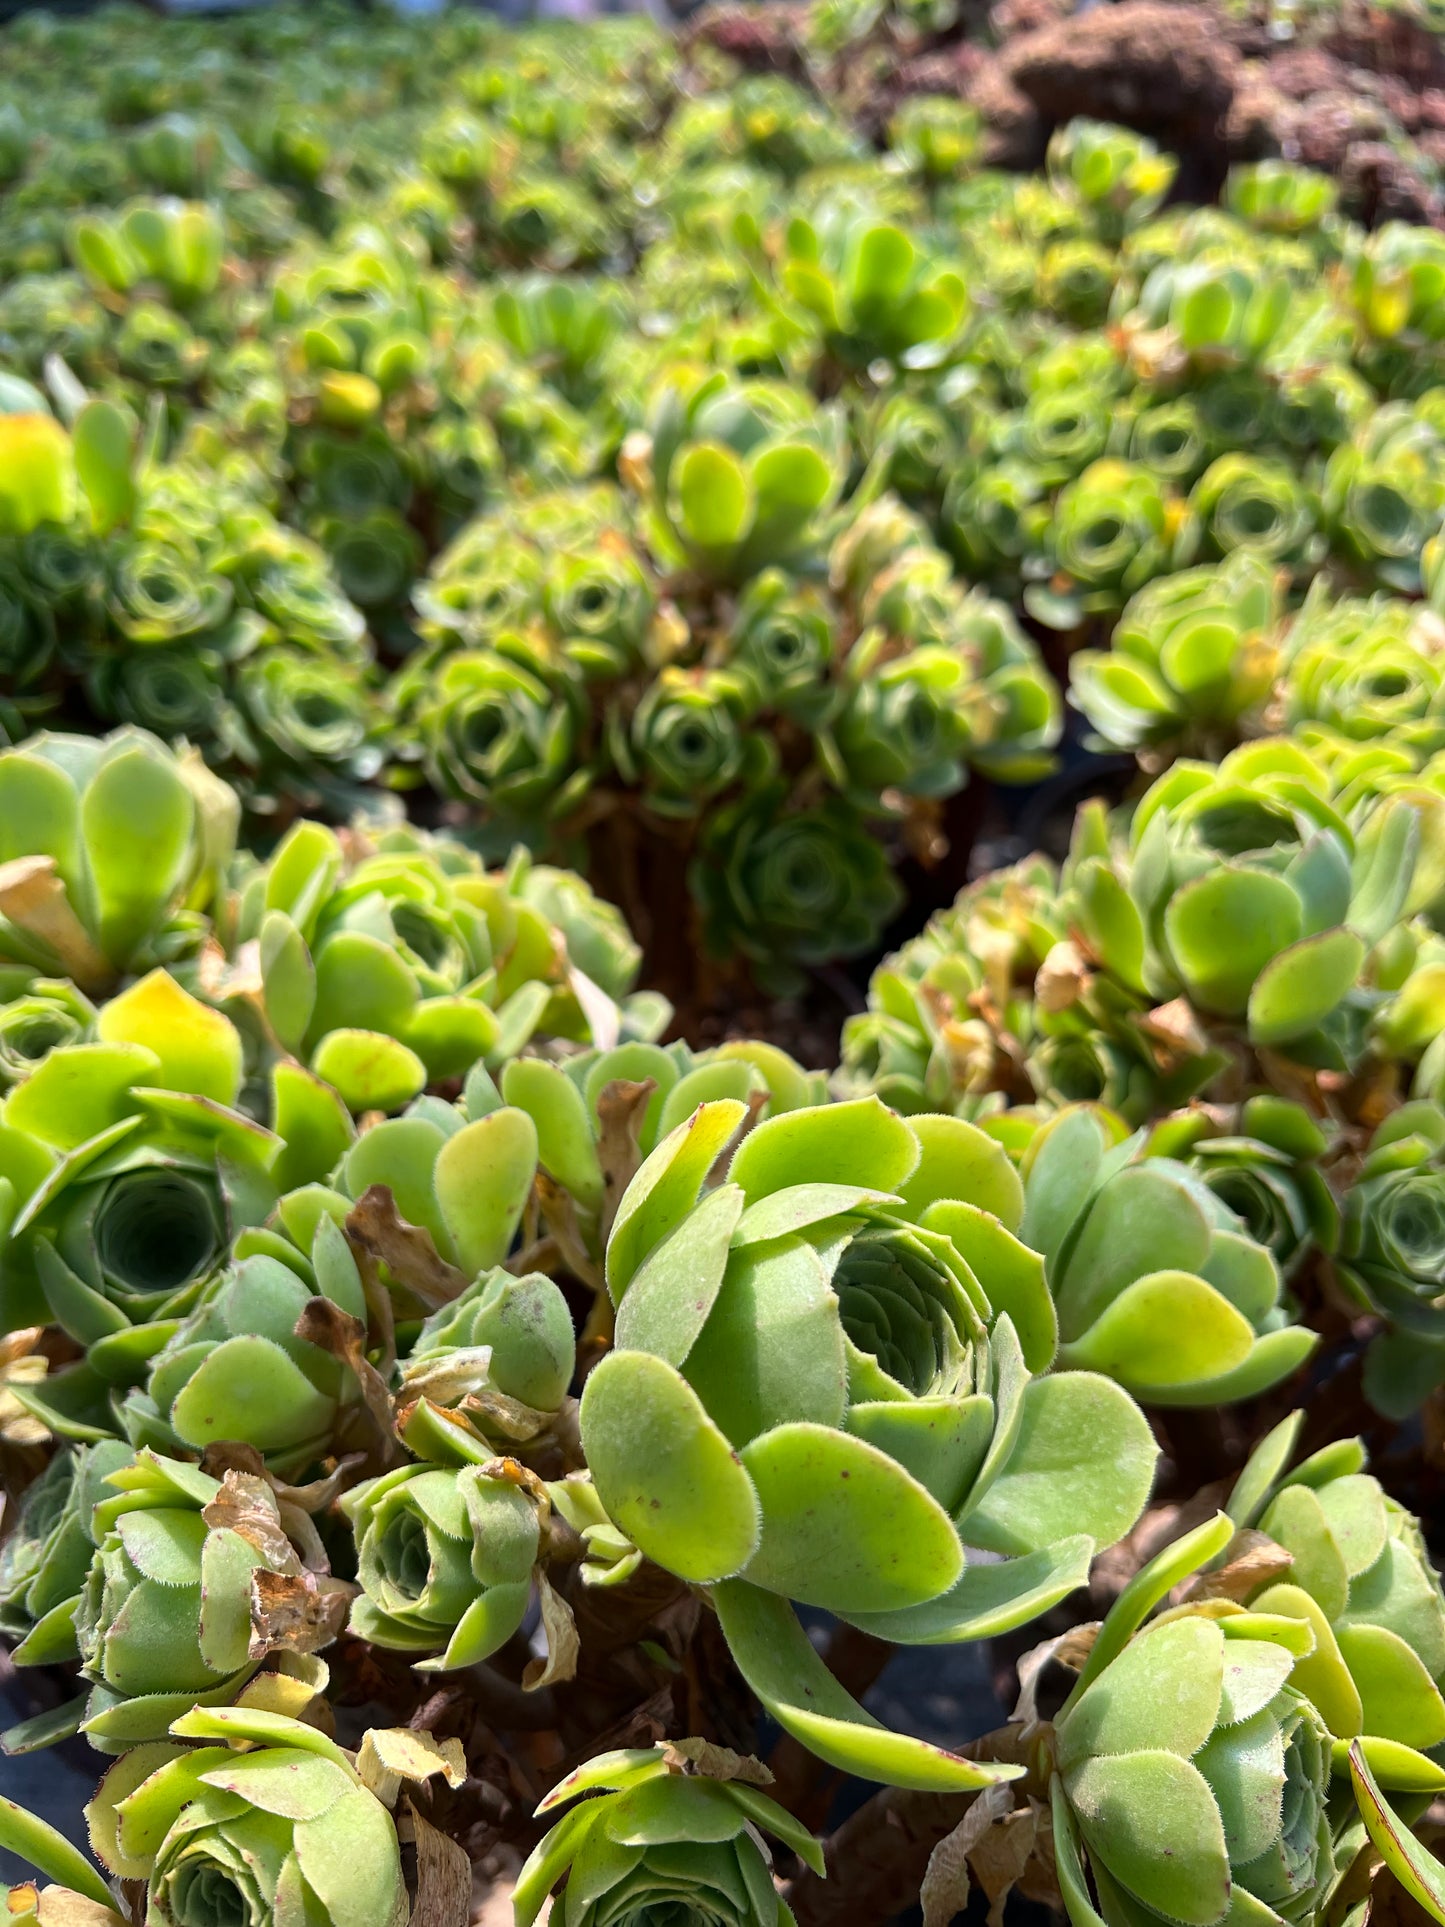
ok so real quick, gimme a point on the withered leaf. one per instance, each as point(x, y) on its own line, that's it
point(621, 1107)
point(1001, 1857)
point(1252, 1560)
point(407, 1250)
point(324, 1323)
point(1062, 977)
point(711, 1762)
point(246, 1505)
point(1175, 1028)
point(446, 1378)
point(563, 1645)
point(232, 1455)
point(559, 1210)
point(508, 1418)
point(515, 1473)
point(300, 1529)
point(317, 1495)
point(222, 977)
point(757, 1102)
point(443, 1896)
point(34, 898)
point(296, 1612)
point(1040, 1878)
point(944, 1893)
point(1070, 1649)
point(604, 1018)
point(62, 1907)
point(393, 1756)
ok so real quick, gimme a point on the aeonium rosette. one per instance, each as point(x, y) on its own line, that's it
point(1392, 1254)
point(266, 1821)
point(108, 848)
point(822, 1391)
point(1154, 1278)
point(125, 1168)
point(1358, 1575)
point(666, 1833)
point(1192, 1768)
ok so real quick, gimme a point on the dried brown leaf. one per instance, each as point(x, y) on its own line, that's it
point(1252, 1560)
point(300, 1529)
point(296, 1612)
point(63, 1907)
point(33, 897)
point(446, 1379)
point(563, 1644)
point(1175, 1029)
point(233, 1455)
point(513, 1472)
point(1070, 1649)
point(318, 1495)
point(324, 1323)
point(757, 1102)
point(1040, 1878)
point(407, 1250)
point(1001, 1857)
point(621, 1107)
point(1062, 978)
point(380, 1311)
point(19, 1344)
point(944, 1893)
point(222, 977)
point(443, 1896)
point(246, 1505)
point(708, 1761)
point(559, 1212)
point(391, 1757)
point(496, 1414)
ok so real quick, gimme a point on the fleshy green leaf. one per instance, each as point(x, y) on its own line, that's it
point(777, 1659)
point(664, 1471)
point(1416, 1869)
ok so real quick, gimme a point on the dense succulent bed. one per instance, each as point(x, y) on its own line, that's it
point(489, 1377)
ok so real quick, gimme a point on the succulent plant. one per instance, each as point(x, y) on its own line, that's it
point(741, 474)
point(660, 457)
point(126, 1167)
point(43, 1015)
point(444, 1558)
point(872, 292)
point(1112, 530)
point(1248, 891)
point(1264, 1164)
point(1367, 668)
point(790, 1461)
point(109, 849)
point(48, 1550)
point(235, 1369)
point(653, 1835)
point(167, 1614)
point(788, 889)
point(1192, 654)
point(1119, 176)
point(174, 243)
point(1155, 1280)
point(199, 1824)
point(1208, 1720)
point(398, 961)
point(1391, 1248)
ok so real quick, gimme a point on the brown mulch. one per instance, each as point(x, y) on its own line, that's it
point(1360, 94)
